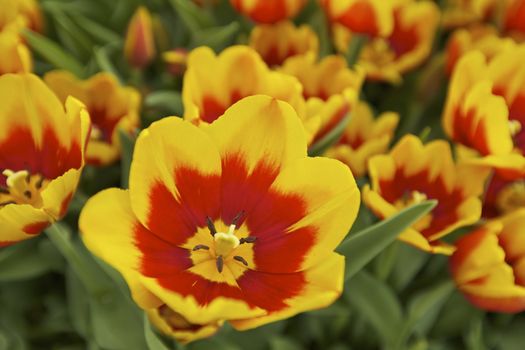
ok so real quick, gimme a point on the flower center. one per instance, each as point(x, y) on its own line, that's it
point(514, 127)
point(414, 197)
point(511, 197)
point(225, 243)
point(22, 188)
point(378, 52)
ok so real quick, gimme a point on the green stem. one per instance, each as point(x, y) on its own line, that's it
point(61, 239)
point(386, 260)
point(354, 49)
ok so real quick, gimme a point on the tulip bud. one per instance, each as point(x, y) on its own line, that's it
point(176, 60)
point(139, 47)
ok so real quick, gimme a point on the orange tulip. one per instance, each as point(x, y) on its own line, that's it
point(489, 265)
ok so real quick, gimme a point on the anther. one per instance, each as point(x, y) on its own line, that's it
point(241, 259)
point(28, 194)
point(40, 182)
point(7, 203)
point(4, 190)
point(249, 239)
point(211, 226)
point(237, 217)
point(200, 246)
point(220, 263)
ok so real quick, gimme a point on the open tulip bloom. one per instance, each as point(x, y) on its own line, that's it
point(218, 229)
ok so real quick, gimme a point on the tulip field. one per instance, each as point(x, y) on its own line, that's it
point(262, 174)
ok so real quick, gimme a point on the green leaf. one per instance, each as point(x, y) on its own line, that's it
point(329, 139)
point(191, 15)
point(104, 62)
point(97, 31)
point(21, 261)
point(377, 303)
point(409, 262)
point(363, 246)
point(153, 340)
point(170, 101)
point(426, 303)
point(216, 37)
point(53, 53)
point(127, 143)
point(71, 34)
point(282, 343)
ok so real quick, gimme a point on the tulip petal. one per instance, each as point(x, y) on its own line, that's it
point(21, 221)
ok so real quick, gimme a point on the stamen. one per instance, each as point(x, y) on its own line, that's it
point(238, 217)
point(7, 203)
point(211, 226)
point(249, 239)
point(40, 182)
point(200, 246)
point(220, 263)
point(241, 259)
point(4, 190)
point(28, 194)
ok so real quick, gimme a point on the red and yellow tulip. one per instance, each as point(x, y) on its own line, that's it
point(489, 265)
point(364, 137)
point(213, 83)
point(176, 60)
point(374, 18)
point(330, 88)
point(112, 107)
point(174, 325)
point(503, 195)
point(413, 172)
point(227, 222)
point(275, 43)
point(139, 46)
point(406, 47)
point(42, 155)
point(26, 11)
point(268, 11)
point(16, 57)
point(482, 38)
point(458, 13)
point(485, 110)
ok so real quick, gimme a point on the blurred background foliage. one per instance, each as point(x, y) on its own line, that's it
point(402, 299)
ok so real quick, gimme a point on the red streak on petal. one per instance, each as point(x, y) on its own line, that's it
point(403, 39)
point(36, 228)
point(65, 204)
point(360, 18)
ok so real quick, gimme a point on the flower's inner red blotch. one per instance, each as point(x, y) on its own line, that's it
point(230, 228)
point(103, 124)
point(213, 109)
point(446, 211)
point(25, 168)
point(404, 38)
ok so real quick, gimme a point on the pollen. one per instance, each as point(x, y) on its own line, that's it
point(514, 127)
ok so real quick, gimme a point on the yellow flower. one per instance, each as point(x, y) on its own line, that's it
point(173, 324)
point(489, 265)
point(413, 172)
point(330, 88)
point(228, 222)
point(370, 17)
point(139, 47)
point(458, 13)
point(485, 110)
point(26, 11)
point(268, 11)
point(275, 43)
point(110, 106)
point(482, 38)
point(213, 83)
point(364, 137)
point(16, 57)
point(41, 147)
point(406, 47)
